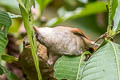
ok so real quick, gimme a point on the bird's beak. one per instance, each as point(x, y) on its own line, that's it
point(36, 29)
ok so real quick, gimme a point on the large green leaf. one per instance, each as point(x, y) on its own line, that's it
point(9, 75)
point(25, 7)
point(89, 9)
point(5, 23)
point(69, 67)
point(104, 64)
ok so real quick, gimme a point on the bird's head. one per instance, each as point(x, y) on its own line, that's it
point(42, 34)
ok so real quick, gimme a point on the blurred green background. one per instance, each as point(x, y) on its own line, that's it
point(91, 16)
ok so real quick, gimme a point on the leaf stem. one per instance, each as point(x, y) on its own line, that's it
point(28, 24)
point(116, 59)
point(81, 59)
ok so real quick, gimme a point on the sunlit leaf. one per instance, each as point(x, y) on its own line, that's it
point(5, 23)
point(69, 67)
point(16, 24)
point(104, 64)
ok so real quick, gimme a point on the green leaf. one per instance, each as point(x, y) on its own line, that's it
point(14, 16)
point(112, 7)
point(5, 23)
point(26, 13)
point(9, 75)
point(16, 24)
point(104, 64)
point(1, 71)
point(114, 17)
point(9, 58)
point(43, 4)
point(3, 43)
point(69, 67)
point(89, 9)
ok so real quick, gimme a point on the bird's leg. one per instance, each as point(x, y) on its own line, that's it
point(52, 58)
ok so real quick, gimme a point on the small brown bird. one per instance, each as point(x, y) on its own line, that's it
point(63, 41)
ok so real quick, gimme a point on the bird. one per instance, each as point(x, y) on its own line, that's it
point(62, 40)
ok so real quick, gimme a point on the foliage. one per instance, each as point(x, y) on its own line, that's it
point(9, 75)
point(83, 1)
point(69, 71)
point(9, 58)
point(114, 16)
point(13, 16)
point(43, 4)
point(25, 7)
point(103, 62)
point(5, 23)
point(89, 9)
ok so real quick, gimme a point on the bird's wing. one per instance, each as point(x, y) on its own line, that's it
point(74, 30)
